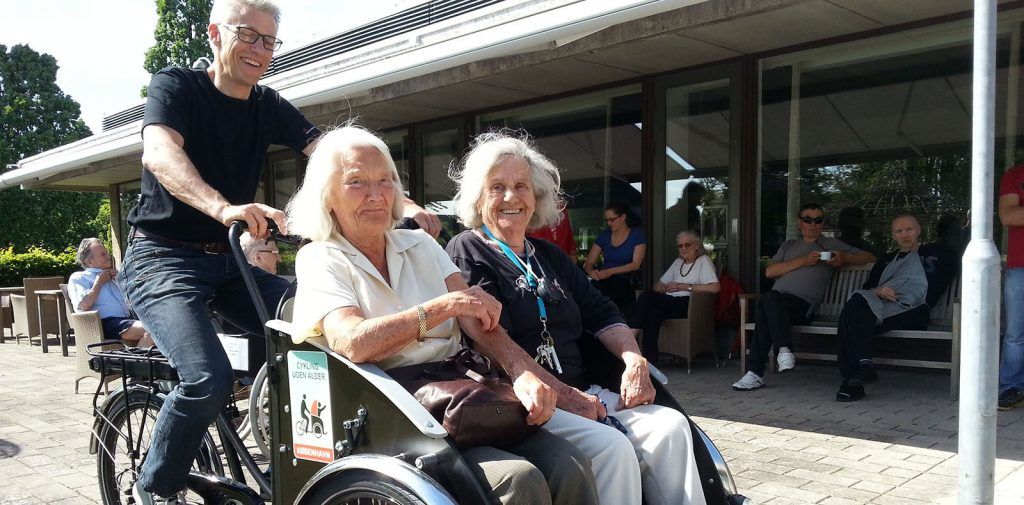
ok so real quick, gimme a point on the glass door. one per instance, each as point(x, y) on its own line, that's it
point(697, 162)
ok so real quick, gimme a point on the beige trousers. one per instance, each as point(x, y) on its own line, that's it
point(656, 456)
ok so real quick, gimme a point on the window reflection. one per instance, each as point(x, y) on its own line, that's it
point(873, 127)
point(595, 139)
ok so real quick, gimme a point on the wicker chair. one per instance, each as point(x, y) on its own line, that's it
point(26, 310)
point(689, 337)
point(7, 311)
point(88, 330)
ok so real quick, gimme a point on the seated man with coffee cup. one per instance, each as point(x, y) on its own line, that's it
point(801, 268)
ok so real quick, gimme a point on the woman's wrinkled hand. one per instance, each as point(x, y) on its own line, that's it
point(582, 404)
point(538, 398)
point(636, 388)
point(475, 302)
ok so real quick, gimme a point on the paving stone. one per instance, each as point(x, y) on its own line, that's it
point(788, 443)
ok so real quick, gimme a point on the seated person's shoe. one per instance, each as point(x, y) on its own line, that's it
point(748, 382)
point(868, 374)
point(1011, 398)
point(143, 497)
point(787, 361)
point(850, 391)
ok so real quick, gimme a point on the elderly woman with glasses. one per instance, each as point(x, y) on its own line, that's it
point(670, 298)
point(394, 298)
point(506, 187)
point(621, 249)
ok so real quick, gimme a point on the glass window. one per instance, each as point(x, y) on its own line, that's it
point(286, 176)
point(595, 139)
point(441, 145)
point(398, 143)
point(876, 126)
point(698, 159)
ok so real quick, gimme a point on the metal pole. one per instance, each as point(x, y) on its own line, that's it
point(980, 328)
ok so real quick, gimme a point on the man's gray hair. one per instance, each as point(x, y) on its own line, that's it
point(309, 210)
point(85, 250)
point(229, 11)
point(488, 150)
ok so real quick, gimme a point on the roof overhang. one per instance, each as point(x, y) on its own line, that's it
point(489, 33)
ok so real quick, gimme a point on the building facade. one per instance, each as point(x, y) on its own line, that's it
point(720, 115)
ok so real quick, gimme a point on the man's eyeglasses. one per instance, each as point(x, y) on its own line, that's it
point(812, 220)
point(268, 251)
point(610, 219)
point(686, 244)
point(249, 36)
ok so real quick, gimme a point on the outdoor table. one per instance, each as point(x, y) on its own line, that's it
point(5, 294)
point(58, 297)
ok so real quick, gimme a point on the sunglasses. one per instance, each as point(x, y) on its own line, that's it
point(610, 219)
point(812, 220)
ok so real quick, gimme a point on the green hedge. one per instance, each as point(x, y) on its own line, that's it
point(35, 263)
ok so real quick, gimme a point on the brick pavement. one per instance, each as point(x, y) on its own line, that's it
point(788, 443)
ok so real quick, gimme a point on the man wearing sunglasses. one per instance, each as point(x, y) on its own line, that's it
point(802, 269)
point(205, 136)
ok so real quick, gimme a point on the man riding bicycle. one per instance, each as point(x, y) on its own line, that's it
point(205, 135)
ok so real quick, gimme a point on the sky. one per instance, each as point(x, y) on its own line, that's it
point(100, 45)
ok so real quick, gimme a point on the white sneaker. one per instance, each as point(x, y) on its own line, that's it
point(143, 497)
point(787, 361)
point(749, 382)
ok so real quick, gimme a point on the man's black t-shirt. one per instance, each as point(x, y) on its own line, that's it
point(225, 138)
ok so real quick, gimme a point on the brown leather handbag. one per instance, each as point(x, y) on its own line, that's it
point(476, 404)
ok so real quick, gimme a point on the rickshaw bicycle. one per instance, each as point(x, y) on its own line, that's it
point(378, 445)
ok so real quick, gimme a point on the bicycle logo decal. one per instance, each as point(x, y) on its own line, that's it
point(309, 398)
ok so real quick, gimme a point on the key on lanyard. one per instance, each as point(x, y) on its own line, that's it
point(546, 354)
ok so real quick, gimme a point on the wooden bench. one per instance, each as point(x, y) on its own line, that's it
point(944, 323)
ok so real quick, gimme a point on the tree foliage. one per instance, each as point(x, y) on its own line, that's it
point(180, 34)
point(35, 116)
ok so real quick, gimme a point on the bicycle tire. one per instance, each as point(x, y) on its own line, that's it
point(259, 412)
point(116, 470)
point(362, 488)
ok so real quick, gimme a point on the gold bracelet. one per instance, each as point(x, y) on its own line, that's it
point(422, 316)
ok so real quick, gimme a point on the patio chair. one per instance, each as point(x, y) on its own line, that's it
point(26, 312)
point(7, 311)
point(88, 330)
point(693, 335)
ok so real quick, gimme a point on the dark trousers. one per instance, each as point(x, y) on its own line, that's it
point(619, 290)
point(776, 314)
point(170, 287)
point(857, 328)
point(651, 310)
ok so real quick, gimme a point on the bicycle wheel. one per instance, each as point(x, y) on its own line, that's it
point(117, 463)
point(259, 412)
point(363, 488)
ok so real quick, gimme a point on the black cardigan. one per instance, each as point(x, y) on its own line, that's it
point(584, 311)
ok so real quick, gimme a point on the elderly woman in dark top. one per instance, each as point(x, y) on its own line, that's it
point(505, 188)
point(393, 297)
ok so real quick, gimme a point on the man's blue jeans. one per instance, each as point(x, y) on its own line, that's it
point(1011, 368)
point(172, 289)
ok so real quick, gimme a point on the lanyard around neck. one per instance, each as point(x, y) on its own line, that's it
point(523, 267)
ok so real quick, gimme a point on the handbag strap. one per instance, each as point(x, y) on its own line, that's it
point(468, 362)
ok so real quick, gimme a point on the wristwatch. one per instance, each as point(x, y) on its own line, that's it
point(689, 287)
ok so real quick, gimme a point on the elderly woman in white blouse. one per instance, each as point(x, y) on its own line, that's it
point(691, 272)
point(394, 298)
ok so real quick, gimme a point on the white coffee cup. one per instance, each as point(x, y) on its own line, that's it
point(826, 255)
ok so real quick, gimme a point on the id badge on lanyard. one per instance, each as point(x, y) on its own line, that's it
point(546, 354)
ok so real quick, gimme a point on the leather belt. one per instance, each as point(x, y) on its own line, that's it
point(206, 247)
